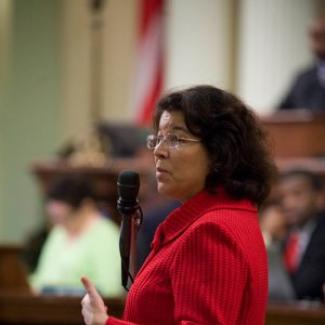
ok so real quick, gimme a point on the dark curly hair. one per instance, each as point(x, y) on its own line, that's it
point(232, 136)
point(314, 179)
point(71, 189)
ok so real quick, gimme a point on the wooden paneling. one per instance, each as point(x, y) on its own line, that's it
point(22, 309)
point(103, 179)
point(296, 133)
point(13, 275)
point(295, 315)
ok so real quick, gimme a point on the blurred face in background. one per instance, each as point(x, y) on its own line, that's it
point(273, 222)
point(58, 211)
point(317, 37)
point(180, 171)
point(299, 199)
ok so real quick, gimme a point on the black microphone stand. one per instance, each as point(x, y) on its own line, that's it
point(131, 220)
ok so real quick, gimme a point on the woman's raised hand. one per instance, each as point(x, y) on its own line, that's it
point(94, 311)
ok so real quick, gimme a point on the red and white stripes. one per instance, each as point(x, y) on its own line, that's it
point(149, 66)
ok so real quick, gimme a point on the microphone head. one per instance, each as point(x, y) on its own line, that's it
point(128, 184)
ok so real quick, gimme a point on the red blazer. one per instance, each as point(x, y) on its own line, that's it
point(207, 266)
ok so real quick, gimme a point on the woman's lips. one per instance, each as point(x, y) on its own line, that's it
point(160, 172)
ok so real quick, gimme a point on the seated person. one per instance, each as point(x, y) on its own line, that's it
point(304, 247)
point(273, 224)
point(82, 242)
point(308, 88)
point(274, 229)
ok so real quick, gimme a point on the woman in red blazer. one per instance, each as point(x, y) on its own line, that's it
point(208, 263)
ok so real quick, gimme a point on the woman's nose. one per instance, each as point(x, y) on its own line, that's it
point(161, 150)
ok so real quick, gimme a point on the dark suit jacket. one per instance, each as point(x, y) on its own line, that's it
point(310, 275)
point(280, 286)
point(306, 92)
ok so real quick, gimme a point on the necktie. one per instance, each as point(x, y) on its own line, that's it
point(291, 252)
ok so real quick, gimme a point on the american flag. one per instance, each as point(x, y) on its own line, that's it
point(149, 66)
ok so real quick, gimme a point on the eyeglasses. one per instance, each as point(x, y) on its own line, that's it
point(172, 141)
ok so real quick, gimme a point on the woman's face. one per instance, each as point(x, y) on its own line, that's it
point(181, 171)
point(58, 211)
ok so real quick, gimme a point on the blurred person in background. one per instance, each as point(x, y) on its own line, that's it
point(275, 229)
point(308, 89)
point(273, 224)
point(82, 241)
point(304, 249)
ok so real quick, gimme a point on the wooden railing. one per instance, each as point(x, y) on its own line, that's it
point(26, 309)
point(297, 133)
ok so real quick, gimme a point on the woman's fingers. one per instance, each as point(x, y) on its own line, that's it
point(89, 286)
point(95, 300)
point(94, 311)
point(94, 297)
point(87, 314)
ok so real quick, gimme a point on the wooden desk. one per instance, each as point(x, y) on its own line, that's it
point(18, 306)
point(316, 165)
point(295, 315)
point(24, 309)
point(296, 133)
point(13, 275)
point(103, 179)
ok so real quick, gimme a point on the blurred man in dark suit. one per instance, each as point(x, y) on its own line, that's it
point(304, 249)
point(308, 88)
point(274, 229)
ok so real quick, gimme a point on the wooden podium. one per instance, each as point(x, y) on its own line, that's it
point(297, 140)
point(103, 179)
point(27, 309)
point(13, 275)
point(296, 133)
point(19, 306)
point(23, 309)
point(297, 314)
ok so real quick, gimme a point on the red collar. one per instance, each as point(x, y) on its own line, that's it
point(181, 218)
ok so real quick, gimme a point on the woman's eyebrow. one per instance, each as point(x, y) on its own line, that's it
point(179, 128)
point(175, 128)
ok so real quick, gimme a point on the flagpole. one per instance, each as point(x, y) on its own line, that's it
point(96, 59)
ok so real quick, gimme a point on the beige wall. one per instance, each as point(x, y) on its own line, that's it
point(75, 114)
point(120, 32)
point(272, 48)
point(29, 116)
point(5, 35)
point(115, 60)
point(200, 43)
point(205, 54)
point(252, 47)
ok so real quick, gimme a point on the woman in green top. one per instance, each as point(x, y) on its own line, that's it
point(81, 242)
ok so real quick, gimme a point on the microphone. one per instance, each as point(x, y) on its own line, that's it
point(128, 184)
